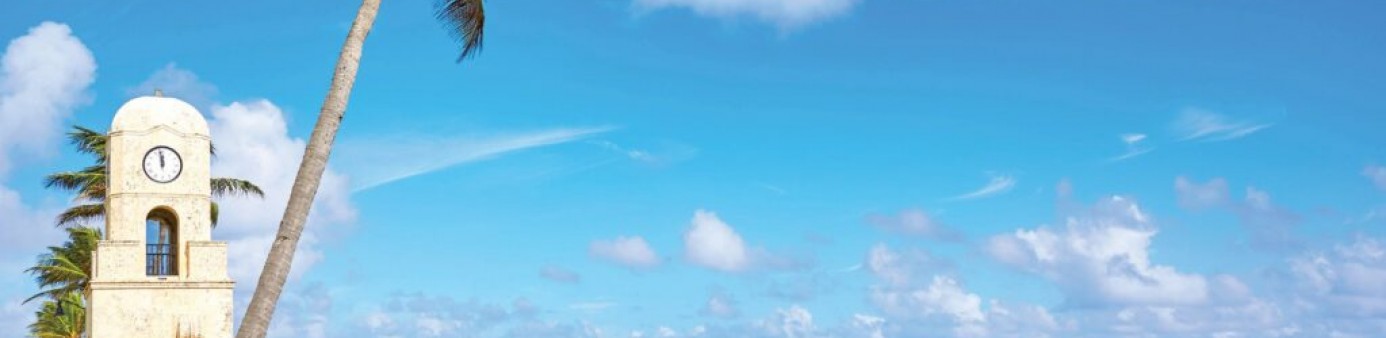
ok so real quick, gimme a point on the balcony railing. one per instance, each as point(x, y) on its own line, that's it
point(159, 260)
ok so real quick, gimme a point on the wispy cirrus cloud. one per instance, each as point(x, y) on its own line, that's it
point(999, 184)
point(785, 14)
point(915, 223)
point(379, 161)
point(1135, 146)
point(1195, 124)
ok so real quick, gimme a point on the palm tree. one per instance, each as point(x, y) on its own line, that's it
point(63, 317)
point(66, 269)
point(466, 20)
point(90, 183)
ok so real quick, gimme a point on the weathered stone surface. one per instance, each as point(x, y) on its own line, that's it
point(123, 301)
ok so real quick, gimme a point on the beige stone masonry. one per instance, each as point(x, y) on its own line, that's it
point(123, 300)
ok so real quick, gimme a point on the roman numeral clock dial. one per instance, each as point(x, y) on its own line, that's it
point(162, 164)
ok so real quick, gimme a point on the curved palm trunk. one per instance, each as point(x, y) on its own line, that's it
point(257, 316)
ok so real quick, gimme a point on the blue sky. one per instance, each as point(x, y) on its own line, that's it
point(760, 168)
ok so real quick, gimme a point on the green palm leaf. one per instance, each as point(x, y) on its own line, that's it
point(84, 212)
point(222, 186)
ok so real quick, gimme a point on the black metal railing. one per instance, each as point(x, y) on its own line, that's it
point(159, 260)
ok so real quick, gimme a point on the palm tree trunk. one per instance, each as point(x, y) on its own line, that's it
point(278, 263)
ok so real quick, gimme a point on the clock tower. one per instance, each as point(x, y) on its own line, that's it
point(158, 273)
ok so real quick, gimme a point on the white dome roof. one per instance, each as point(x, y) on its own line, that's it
point(146, 112)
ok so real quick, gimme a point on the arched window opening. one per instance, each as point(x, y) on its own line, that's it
point(161, 243)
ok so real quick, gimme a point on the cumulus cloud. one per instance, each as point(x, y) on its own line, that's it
point(1101, 258)
point(253, 143)
point(999, 184)
point(420, 315)
point(1196, 124)
point(1377, 174)
point(1195, 196)
point(1345, 281)
point(944, 296)
point(177, 82)
point(304, 313)
point(711, 243)
point(902, 268)
point(720, 305)
point(785, 14)
point(916, 223)
point(44, 77)
point(1101, 262)
point(15, 317)
point(914, 295)
point(1270, 225)
point(631, 252)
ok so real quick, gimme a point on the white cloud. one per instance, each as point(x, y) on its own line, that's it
point(1196, 124)
point(1101, 258)
point(1134, 147)
point(999, 184)
point(45, 77)
point(785, 14)
point(253, 143)
point(912, 293)
point(915, 222)
point(177, 83)
point(794, 322)
point(15, 317)
point(865, 326)
point(1345, 281)
point(1269, 225)
point(711, 243)
point(378, 161)
point(944, 296)
point(720, 305)
point(1377, 174)
point(418, 315)
point(901, 268)
point(304, 313)
point(1195, 196)
point(631, 252)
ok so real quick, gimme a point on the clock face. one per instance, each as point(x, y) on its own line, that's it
point(162, 164)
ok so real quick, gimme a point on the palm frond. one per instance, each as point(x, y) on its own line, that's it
point(84, 212)
point(70, 324)
point(66, 268)
point(74, 180)
point(223, 186)
point(216, 213)
point(466, 21)
point(89, 141)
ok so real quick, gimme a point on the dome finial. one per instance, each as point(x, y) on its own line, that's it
point(158, 92)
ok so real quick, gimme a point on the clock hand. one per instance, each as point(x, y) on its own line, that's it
point(161, 159)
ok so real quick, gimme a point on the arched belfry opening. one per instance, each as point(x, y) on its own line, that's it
point(161, 243)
